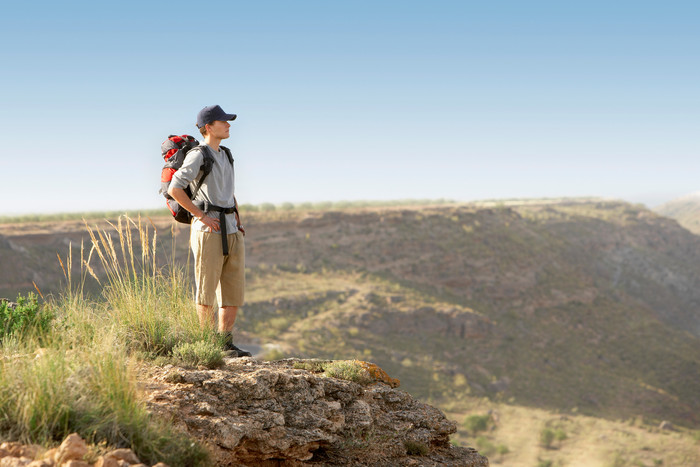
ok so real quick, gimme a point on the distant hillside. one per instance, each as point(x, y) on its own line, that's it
point(592, 306)
point(686, 210)
point(588, 307)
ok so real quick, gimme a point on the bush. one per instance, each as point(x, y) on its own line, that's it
point(560, 435)
point(24, 316)
point(476, 423)
point(547, 437)
point(200, 353)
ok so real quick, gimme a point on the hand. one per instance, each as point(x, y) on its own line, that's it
point(240, 227)
point(211, 222)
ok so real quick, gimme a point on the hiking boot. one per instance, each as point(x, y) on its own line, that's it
point(235, 351)
point(231, 349)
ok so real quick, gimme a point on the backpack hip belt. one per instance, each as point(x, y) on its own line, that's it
point(208, 207)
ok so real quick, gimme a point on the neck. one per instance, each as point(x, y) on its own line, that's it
point(212, 142)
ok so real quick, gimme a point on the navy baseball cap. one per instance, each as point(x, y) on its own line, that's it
point(211, 113)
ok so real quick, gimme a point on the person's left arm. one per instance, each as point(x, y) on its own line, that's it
point(238, 218)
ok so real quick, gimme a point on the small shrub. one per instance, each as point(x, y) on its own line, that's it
point(476, 423)
point(414, 448)
point(348, 370)
point(545, 463)
point(27, 314)
point(204, 353)
point(560, 435)
point(547, 437)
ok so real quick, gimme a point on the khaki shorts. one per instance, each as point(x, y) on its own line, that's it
point(218, 277)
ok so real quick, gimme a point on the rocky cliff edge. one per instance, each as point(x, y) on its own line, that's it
point(290, 413)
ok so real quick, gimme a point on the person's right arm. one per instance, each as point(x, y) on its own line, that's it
point(181, 179)
point(181, 197)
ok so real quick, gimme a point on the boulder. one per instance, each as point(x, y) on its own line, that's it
point(72, 448)
point(127, 455)
point(278, 413)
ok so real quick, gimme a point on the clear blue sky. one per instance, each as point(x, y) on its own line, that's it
point(361, 100)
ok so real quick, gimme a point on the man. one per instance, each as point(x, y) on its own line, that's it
point(216, 236)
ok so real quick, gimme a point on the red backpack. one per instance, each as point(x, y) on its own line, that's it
point(174, 149)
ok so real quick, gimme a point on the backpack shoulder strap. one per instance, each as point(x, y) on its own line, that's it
point(207, 164)
point(207, 159)
point(228, 153)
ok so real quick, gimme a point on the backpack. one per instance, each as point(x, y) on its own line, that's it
point(174, 149)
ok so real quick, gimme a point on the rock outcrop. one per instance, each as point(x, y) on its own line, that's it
point(277, 413)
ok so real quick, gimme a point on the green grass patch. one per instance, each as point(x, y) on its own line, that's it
point(46, 395)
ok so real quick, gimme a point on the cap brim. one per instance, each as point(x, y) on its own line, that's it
point(230, 117)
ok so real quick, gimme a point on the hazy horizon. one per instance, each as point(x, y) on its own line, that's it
point(359, 202)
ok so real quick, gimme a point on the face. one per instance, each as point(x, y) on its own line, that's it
point(219, 129)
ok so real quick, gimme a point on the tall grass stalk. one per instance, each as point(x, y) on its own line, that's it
point(151, 306)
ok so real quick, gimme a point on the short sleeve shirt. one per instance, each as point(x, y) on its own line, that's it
point(217, 189)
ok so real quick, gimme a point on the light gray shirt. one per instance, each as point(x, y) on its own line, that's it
point(217, 189)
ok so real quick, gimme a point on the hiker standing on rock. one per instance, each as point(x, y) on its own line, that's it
point(216, 236)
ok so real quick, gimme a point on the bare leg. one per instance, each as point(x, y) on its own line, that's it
point(227, 317)
point(206, 316)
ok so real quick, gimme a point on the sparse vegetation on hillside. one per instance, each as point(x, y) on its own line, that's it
point(571, 439)
point(543, 293)
point(548, 313)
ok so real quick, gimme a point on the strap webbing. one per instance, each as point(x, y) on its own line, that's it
point(222, 223)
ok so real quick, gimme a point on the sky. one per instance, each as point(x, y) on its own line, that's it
point(362, 100)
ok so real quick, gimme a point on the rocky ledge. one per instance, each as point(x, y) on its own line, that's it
point(290, 413)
